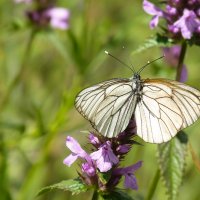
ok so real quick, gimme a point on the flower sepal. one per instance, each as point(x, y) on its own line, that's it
point(104, 177)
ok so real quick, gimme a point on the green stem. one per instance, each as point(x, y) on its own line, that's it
point(153, 185)
point(95, 195)
point(180, 61)
point(20, 73)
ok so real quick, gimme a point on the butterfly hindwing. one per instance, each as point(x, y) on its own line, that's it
point(166, 107)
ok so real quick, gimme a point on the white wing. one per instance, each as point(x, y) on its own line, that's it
point(108, 105)
point(166, 108)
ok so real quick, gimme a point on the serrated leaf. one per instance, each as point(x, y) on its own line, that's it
point(157, 41)
point(171, 156)
point(73, 185)
point(117, 194)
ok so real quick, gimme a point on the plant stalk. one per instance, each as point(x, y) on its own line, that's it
point(20, 73)
point(153, 185)
point(181, 60)
point(95, 195)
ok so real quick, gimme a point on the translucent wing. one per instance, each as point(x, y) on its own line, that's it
point(166, 108)
point(108, 105)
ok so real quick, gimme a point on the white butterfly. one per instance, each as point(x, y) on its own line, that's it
point(161, 107)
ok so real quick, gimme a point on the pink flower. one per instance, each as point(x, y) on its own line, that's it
point(88, 169)
point(188, 23)
point(128, 173)
point(58, 17)
point(76, 150)
point(153, 10)
point(104, 157)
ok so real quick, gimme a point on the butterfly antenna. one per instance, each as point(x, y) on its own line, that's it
point(148, 63)
point(120, 61)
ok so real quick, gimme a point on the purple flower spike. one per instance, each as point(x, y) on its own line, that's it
point(128, 172)
point(188, 23)
point(77, 151)
point(153, 10)
point(59, 17)
point(104, 157)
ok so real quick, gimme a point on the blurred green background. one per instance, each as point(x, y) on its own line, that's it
point(39, 113)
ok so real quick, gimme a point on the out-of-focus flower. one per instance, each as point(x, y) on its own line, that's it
point(23, 1)
point(172, 55)
point(45, 14)
point(104, 157)
point(58, 17)
point(182, 18)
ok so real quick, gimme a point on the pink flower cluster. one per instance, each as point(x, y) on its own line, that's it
point(182, 17)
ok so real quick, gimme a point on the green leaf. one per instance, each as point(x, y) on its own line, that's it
point(73, 185)
point(157, 41)
point(117, 194)
point(171, 156)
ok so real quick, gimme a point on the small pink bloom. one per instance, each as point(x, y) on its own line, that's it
point(104, 157)
point(76, 150)
point(58, 17)
point(188, 23)
point(151, 9)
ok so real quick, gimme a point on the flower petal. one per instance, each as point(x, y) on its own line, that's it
point(151, 9)
point(188, 23)
point(130, 182)
point(70, 159)
point(75, 147)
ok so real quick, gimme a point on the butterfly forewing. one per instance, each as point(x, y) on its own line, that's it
point(108, 105)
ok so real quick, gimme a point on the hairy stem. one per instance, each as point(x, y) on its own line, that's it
point(153, 185)
point(180, 61)
point(20, 73)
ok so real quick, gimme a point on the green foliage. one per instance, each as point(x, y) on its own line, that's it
point(171, 157)
point(156, 41)
point(75, 186)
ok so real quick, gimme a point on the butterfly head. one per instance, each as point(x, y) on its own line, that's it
point(136, 76)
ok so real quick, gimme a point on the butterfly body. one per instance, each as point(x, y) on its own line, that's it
point(161, 107)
